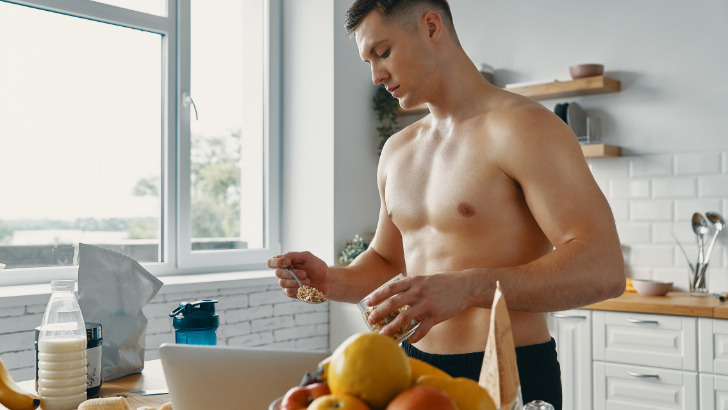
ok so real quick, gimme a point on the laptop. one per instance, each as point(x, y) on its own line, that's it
point(232, 378)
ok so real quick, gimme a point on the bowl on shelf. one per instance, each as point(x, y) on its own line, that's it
point(646, 287)
point(586, 70)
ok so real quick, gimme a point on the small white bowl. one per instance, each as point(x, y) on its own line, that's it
point(646, 287)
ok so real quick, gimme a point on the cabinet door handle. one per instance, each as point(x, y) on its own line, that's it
point(643, 322)
point(563, 316)
point(643, 375)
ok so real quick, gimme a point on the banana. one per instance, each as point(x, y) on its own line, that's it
point(12, 396)
point(105, 403)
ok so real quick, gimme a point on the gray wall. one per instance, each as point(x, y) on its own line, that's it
point(669, 55)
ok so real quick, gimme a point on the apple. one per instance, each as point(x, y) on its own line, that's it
point(422, 398)
point(340, 401)
point(300, 397)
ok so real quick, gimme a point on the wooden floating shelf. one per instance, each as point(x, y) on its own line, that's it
point(561, 89)
point(573, 88)
point(601, 150)
point(547, 91)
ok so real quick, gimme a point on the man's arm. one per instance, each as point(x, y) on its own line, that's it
point(540, 153)
point(380, 262)
point(385, 256)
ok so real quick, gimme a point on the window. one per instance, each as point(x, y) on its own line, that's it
point(141, 126)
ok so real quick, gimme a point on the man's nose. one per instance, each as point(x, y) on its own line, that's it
point(378, 75)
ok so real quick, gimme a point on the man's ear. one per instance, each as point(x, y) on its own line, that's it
point(434, 25)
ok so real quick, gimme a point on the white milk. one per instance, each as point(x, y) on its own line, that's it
point(62, 372)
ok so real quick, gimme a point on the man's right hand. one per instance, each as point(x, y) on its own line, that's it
point(311, 270)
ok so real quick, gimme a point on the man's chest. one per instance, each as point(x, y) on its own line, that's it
point(461, 191)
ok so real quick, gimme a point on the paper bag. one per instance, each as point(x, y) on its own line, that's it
point(112, 290)
point(499, 374)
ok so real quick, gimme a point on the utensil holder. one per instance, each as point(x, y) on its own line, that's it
point(698, 285)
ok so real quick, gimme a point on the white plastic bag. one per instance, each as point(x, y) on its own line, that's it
point(112, 290)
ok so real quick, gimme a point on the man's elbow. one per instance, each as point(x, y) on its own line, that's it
point(614, 282)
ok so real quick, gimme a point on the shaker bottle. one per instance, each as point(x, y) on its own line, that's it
point(195, 323)
point(62, 350)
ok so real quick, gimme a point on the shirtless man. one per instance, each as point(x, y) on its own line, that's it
point(490, 186)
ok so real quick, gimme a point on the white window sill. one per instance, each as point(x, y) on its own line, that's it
point(39, 293)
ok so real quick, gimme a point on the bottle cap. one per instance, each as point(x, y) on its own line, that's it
point(195, 316)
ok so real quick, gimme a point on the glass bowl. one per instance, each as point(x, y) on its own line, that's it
point(401, 334)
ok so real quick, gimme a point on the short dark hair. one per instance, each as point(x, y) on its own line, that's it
point(393, 9)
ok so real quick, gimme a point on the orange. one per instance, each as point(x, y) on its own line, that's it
point(422, 398)
point(369, 366)
point(467, 393)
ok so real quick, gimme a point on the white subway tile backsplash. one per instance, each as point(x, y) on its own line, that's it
point(684, 208)
point(629, 188)
point(698, 163)
point(635, 233)
point(724, 160)
point(620, 209)
point(610, 167)
point(652, 256)
point(662, 233)
point(651, 210)
point(652, 165)
point(676, 187)
point(717, 280)
point(711, 186)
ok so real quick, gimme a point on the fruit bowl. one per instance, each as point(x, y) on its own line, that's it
point(646, 287)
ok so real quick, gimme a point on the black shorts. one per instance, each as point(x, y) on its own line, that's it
point(538, 369)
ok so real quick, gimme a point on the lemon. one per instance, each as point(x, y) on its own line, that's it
point(370, 366)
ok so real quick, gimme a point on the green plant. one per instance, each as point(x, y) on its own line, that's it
point(352, 249)
point(385, 106)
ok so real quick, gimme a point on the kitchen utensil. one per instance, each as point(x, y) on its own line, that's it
point(300, 284)
point(700, 227)
point(586, 70)
point(647, 287)
point(719, 224)
point(685, 254)
point(687, 258)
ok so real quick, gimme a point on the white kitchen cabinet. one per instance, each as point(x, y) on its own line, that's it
point(572, 331)
point(713, 345)
point(713, 392)
point(631, 387)
point(646, 339)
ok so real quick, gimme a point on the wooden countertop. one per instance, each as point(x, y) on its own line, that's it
point(151, 378)
point(674, 303)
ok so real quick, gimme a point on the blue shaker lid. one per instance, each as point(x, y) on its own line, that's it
point(197, 315)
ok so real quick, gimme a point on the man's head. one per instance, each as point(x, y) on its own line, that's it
point(407, 43)
point(404, 12)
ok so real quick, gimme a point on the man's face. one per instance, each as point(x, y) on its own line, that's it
point(396, 55)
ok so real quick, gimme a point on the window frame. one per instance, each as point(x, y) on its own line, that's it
point(175, 183)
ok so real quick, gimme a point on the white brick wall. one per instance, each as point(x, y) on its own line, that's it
point(655, 195)
point(257, 315)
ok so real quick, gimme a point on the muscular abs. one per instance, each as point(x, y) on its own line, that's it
point(456, 210)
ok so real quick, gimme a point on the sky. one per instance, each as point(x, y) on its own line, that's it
point(80, 109)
